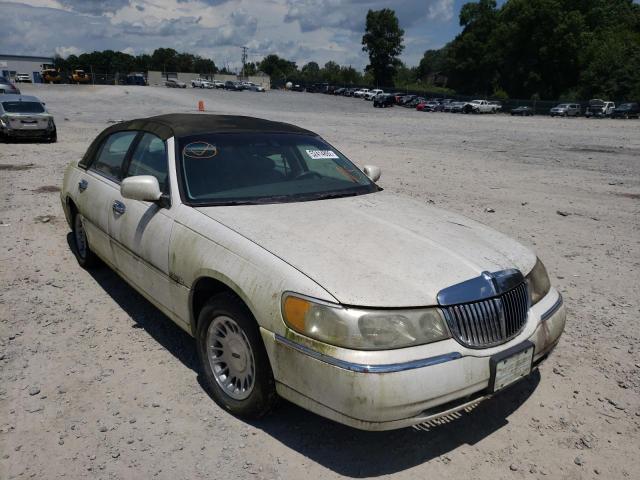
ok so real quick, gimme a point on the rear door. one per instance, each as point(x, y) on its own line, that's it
point(141, 230)
point(99, 186)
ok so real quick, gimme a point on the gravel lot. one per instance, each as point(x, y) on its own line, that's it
point(96, 383)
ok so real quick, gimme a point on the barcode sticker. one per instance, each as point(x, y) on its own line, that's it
point(319, 154)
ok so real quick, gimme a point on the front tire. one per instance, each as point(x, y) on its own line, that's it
point(234, 361)
point(86, 258)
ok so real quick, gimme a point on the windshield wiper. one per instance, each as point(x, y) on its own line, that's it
point(326, 196)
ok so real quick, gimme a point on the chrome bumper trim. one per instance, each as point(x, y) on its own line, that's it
point(363, 368)
point(554, 308)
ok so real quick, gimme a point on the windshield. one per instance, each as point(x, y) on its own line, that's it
point(227, 169)
point(22, 107)
point(626, 106)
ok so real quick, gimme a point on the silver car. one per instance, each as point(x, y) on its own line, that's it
point(6, 86)
point(566, 110)
point(25, 116)
point(173, 83)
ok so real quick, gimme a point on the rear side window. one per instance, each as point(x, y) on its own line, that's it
point(150, 158)
point(112, 154)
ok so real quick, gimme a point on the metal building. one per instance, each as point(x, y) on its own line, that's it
point(11, 65)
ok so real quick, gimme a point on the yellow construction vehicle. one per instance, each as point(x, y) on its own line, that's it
point(80, 76)
point(50, 74)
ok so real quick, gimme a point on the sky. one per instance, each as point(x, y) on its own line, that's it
point(299, 30)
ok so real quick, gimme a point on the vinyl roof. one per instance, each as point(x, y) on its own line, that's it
point(186, 124)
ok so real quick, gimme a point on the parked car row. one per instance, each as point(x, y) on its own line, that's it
point(210, 84)
point(596, 108)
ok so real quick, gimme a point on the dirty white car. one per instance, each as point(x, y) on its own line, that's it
point(300, 277)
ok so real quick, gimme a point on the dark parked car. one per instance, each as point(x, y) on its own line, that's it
point(135, 79)
point(297, 88)
point(626, 110)
point(235, 86)
point(318, 88)
point(522, 111)
point(7, 87)
point(339, 91)
point(384, 100)
point(413, 102)
point(404, 99)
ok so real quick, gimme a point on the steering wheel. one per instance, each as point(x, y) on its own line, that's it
point(308, 174)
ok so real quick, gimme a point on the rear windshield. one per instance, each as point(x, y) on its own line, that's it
point(22, 107)
point(228, 169)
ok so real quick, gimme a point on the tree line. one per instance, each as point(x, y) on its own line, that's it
point(162, 59)
point(543, 49)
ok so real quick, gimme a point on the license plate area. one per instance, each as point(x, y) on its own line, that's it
point(511, 365)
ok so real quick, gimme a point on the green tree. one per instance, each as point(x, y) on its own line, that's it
point(382, 40)
point(278, 68)
point(310, 73)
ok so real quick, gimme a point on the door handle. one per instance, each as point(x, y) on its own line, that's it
point(118, 207)
point(82, 185)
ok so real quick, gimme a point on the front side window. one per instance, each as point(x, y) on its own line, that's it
point(150, 158)
point(228, 169)
point(110, 157)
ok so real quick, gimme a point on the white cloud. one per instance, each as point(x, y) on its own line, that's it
point(300, 30)
point(441, 10)
point(66, 51)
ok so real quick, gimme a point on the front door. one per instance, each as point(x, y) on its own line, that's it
point(99, 186)
point(141, 231)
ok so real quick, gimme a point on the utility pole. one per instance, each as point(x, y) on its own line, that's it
point(244, 59)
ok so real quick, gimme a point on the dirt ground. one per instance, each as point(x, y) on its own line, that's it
point(96, 383)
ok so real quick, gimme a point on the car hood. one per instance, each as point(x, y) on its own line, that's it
point(376, 250)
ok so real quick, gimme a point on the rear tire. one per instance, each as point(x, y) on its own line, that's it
point(236, 369)
point(86, 258)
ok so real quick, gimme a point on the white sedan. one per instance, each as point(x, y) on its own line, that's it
point(298, 276)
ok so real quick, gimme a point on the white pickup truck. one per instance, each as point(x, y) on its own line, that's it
point(481, 106)
point(371, 94)
point(361, 93)
point(201, 83)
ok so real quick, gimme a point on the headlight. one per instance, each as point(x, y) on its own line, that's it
point(363, 329)
point(3, 122)
point(538, 282)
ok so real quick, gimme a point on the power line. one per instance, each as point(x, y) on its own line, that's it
point(244, 59)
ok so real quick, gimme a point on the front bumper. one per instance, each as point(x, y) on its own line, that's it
point(385, 390)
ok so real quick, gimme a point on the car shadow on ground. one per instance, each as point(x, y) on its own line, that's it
point(339, 448)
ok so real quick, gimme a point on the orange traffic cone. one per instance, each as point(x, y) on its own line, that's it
point(201, 106)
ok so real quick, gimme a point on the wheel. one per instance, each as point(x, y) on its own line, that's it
point(53, 138)
point(234, 361)
point(86, 258)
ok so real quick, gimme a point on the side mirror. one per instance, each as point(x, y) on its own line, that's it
point(372, 172)
point(141, 187)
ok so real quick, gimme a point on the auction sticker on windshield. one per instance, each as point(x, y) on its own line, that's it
point(320, 154)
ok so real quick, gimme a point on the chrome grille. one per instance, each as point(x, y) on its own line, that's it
point(489, 322)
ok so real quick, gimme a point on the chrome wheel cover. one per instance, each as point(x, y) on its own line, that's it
point(231, 358)
point(80, 237)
